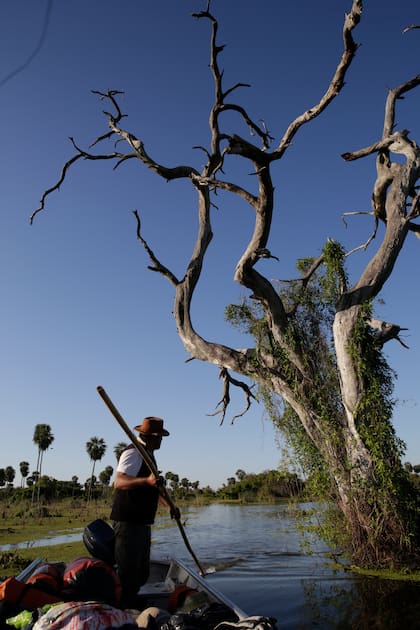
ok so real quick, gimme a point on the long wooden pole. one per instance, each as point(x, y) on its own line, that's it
point(152, 467)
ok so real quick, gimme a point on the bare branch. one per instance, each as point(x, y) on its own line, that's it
point(263, 252)
point(202, 149)
point(354, 213)
point(245, 273)
point(411, 27)
point(398, 143)
point(55, 187)
point(386, 331)
point(88, 156)
point(157, 265)
point(137, 146)
point(116, 117)
point(393, 96)
point(336, 84)
point(233, 188)
point(305, 279)
point(100, 156)
point(110, 95)
point(394, 142)
point(220, 106)
point(167, 173)
point(365, 245)
point(235, 87)
point(260, 131)
point(128, 156)
point(415, 228)
point(228, 380)
point(415, 208)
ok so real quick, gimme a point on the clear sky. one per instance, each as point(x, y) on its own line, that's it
point(79, 306)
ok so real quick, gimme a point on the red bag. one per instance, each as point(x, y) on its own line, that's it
point(48, 577)
point(178, 596)
point(26, 596)
point(87, 579)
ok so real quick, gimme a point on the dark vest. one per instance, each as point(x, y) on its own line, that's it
point(137, 505)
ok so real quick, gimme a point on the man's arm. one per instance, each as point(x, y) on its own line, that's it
point(126, 482)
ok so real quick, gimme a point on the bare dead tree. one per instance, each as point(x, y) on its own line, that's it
point(378, 529)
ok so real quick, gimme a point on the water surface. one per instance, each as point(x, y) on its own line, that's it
point(260, 564)
point(256, 557)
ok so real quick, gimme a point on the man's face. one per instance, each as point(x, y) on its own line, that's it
point(153, 441)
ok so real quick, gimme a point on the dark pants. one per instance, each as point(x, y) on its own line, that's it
point(132, 557)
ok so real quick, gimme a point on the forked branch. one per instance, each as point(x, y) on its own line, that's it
point(386, 331)
point(228, 380)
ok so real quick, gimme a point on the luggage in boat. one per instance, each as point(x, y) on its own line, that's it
point(152, 617)
point(87, 579)
point(178, 596)
point(85, 616)
point(16, 595)
point(98, 538)
point(205, 617)
point(48, 576)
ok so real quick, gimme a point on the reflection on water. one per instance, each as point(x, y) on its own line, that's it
point(255, 557)
point(44, 542)
point(261, 566)
point(370, 603)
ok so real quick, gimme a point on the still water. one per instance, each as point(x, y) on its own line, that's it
point(254, 555)
point(256, 551)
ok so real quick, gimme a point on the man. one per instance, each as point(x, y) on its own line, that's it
point(134, 507)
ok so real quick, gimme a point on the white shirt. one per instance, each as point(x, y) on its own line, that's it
point(130, 462)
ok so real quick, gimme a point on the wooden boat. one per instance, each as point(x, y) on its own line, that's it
point(169, 580)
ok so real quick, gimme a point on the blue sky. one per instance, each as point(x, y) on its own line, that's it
point(79, 306)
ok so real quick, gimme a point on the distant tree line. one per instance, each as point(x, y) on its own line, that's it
point(36, 484)
point(268, 485)
point(245, 487)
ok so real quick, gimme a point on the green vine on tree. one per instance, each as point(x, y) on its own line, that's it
point(310, 305)
point(373, 416)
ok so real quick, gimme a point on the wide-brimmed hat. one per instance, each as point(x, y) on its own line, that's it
point(151, 426)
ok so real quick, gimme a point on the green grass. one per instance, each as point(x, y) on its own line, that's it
point(12, 562)
point(387, 574)
point(22, 523)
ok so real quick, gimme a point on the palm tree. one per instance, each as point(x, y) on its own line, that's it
point(119, 448)
point(43, 438)
point(10, 475)
point(174, 479)
point(95, 448)
point(185, 484)
point(105, 478)
point(74, 484)
point(24, 471)
point(241, 474)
